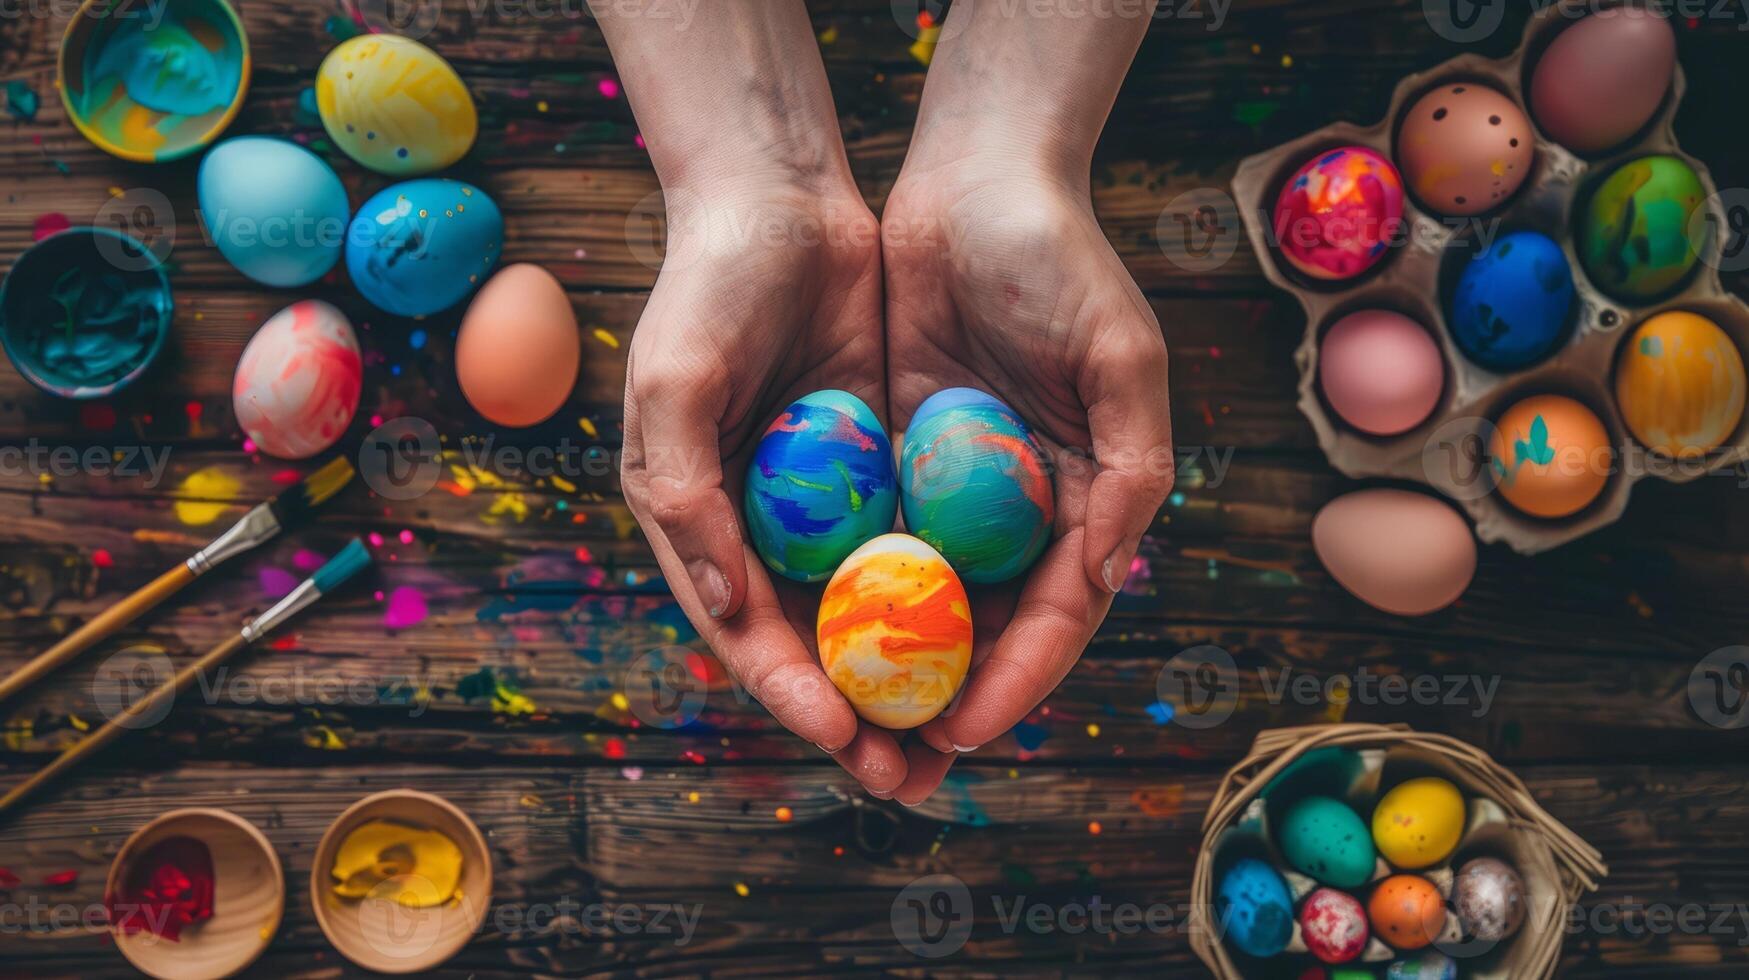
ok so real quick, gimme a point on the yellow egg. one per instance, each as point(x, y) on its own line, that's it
point(895, 631)
point(1419, 823)
point(1680, 384)
point(395, 105)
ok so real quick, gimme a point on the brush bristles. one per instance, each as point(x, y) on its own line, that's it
point(349, 562)
point(295, 504)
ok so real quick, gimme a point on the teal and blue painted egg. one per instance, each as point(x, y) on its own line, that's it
point(1325, 839)
point(421, 247)
point(275, 210)
point(973, 483)
point(821, 485)
point(1639, 236)
point(1430, 965)
point(1511, 306)
point(1256, 910)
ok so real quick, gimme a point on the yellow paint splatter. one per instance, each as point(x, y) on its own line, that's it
point(206, 495)
point(609, 339)
point(620, 702)
point(78, 723)
point(692, 797)
point(507, 505)
point(829, 35)
point(588, 427)
point(923, 49)
point(1337, 709)
point(19, 732)
point(323, 737)
point(564, 484)
point(742, 890)
point(1092, 730)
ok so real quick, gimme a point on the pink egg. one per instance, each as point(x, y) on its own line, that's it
point(1380, 371)
point(1337, 215)
point(1465, 148)
point(298, 382)
point(1333, 925)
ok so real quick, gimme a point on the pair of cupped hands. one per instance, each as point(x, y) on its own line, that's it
point(977, 275)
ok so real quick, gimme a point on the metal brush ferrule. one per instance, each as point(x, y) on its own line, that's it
point(294, 603)
point(256, 527)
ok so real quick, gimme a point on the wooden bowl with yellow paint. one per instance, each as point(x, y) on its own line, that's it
point(377, 930)
point(247, 903)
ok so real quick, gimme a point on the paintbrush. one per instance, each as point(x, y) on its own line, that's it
point(292, 507)
point(349, 562)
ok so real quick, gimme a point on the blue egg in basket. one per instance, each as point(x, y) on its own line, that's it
point(1511, 306)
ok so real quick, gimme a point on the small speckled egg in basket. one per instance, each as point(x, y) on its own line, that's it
point(395, 105)
point(1333, 925)
point(1406, 911)
point(1490, 899)
point(298, 382)
point(1550, 456)
point(1680, 384)
point(1256, 908)
point(895, 631)
point(1465, 148)
point(1338, 214)
point(1419, 822)
point(973, 483)
point(1323, 838)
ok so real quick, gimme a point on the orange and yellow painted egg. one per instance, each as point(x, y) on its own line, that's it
point(895, 631)
point(395, 105)
point(1680, 384)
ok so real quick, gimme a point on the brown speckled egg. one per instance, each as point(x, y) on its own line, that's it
point(1489, 899)
point(1464, 149)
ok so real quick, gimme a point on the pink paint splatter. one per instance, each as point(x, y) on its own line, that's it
point(277, 583)
point(406, 536)
point(48, 224)
point(101, 558)
point(608, 87)
point(375, 539)
point(307, 561)
point(406, 608)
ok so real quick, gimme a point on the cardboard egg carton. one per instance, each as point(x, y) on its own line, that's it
point(1449, 451)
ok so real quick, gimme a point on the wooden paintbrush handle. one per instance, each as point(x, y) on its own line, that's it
point(114, 727)
point(99, 627)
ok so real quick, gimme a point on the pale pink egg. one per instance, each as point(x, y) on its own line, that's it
point(298, 382)
point(1380, 371)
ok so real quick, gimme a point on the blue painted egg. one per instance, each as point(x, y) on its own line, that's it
point(275, 210)
point(1511, 306)
point(821, 484)
point(973, 483)
point(1430, 965)
point(1256, 910)
point(1325, 839)
point(421, 247)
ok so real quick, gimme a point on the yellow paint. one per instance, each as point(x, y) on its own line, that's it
point(564, 484)
point(923, 49)
point(206, 495)
point(609, 339)
point(323, 737)
point(588, 427)
point(620, 702)
point(742, 890)
point(385, 859)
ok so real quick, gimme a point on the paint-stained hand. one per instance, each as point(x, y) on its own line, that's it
point(764, 296)
point(1000, 279)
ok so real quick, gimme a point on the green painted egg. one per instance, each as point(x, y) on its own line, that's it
point(1325, 839)
point(1639, 236)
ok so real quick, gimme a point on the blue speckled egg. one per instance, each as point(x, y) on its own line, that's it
point(275, 210)
point(1430, 965)
point(973, 483)
point(421, 247)
point(1325, 839)
point(821, 484)
point(1256, 911)
point(1511, 306)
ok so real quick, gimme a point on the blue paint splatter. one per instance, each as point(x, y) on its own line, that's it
point(1161, 712)
point(1030, 736)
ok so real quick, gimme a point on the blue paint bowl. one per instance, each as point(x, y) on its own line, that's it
point(85, 312)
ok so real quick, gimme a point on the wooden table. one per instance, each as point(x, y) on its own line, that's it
point(519, 693)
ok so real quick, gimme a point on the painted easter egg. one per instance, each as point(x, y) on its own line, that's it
point(395, 105)
point(1489, 899)
point(1429, 965)
point(1402, 552)
point(1324, 839)
point(1679, 381)
point(298, 382)
point(1465, 148)
point(1601, 79)
point(1335, 973)
point(518, 351)
point(973, 483)
point(1380, 371)
point(1419, 822)
point(422, 246)
point(820, 485)
point(1333, 925)
point(1255, 907)
point(1337, 215)
point(275, 210)
point(1638, 237)
point(1406, 911)
point(1511, 306)
point(895, 631)
point(1550, 456)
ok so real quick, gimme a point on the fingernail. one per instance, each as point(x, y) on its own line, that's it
point(910, 806)
point(712, 586)
point(880, 796)
point(1116, 569)
point(963, 748)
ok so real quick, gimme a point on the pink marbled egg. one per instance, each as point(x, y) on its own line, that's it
point(298, 382)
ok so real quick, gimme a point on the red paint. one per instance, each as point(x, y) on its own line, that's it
point(60, 878)
point(50, 224)
point(101, 558)
point(167, 889)
point(8, 879)
point(583, 555)
point(615, 748)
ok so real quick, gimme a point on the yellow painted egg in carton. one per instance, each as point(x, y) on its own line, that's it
point(395, 105)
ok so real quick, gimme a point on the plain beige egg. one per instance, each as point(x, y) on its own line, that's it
point(518, 352)
point(1402, 552)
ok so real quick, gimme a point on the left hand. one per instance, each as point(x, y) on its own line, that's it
point(1000, 278)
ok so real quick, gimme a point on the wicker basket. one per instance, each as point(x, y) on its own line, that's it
point(1556, 864)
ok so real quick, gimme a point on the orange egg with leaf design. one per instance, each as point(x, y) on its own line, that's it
point(1550, 456)
point(895, 631)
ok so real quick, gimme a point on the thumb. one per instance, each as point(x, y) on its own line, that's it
point(1130, 418)
point(684, 494)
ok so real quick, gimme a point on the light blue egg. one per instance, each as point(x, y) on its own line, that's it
point(275, 210)
point(421, 247)
point(1256, 910)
